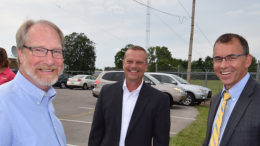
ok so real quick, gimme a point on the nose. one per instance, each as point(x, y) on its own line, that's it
point(49, 59)
point(224, 63)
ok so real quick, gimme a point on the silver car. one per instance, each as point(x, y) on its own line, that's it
point(195, 93)
point(175, 93)
point(81, 81)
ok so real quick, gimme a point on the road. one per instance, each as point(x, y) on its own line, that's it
point(75, 109)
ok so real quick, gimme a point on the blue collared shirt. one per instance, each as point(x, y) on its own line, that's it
point(234, 92)
point(27, 115)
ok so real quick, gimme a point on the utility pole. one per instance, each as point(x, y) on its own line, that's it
point(148, 24)
point(191, 41)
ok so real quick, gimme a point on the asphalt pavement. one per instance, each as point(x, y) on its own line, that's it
point(75, 109)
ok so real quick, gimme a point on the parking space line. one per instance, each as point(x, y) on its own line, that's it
point(71, 145)
point(173, 133)
point(87, 107)
point(77, 121)
point(183, 118)
point(77, 115)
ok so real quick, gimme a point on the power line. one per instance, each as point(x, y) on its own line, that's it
point(181, 18)
point(195, 23)
point(171, 29)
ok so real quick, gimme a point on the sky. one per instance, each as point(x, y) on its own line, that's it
point(112, 24)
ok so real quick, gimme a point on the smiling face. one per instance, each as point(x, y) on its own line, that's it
point(134, 66)
point(232, 72)
point(41, 71)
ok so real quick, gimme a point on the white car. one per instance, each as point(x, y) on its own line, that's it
point(176, 94)
point(195, 93)
point(81, 81)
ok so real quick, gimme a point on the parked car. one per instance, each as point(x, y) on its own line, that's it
point(81, 81)
point(62, 81)
point(195, 93)
point(176, 94)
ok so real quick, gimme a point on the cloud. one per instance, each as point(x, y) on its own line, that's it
point(235, 13)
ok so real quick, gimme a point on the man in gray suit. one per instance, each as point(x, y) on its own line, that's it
point(234, 121)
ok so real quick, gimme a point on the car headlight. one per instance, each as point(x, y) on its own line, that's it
point(201, 91)
point(178, 90)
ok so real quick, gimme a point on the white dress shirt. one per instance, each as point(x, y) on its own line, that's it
point(129, 101)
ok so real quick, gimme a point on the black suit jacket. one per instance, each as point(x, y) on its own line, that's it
point(150, 118)
point(243, 127)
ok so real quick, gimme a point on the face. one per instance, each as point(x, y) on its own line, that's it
point(232, 72)
point(134, 66)
point(41, 71)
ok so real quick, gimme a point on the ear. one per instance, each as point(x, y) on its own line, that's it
point(146, 66)
point(20, 58)
point(248, 60)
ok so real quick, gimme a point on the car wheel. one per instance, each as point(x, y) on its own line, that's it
point(85, 87)
point(171, 100)
point(189, 100)
point(62, 85)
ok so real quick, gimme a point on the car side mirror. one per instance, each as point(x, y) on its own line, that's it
point(149, 82)
point(175, 83)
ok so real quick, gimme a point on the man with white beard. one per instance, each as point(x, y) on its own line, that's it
point(27, 115)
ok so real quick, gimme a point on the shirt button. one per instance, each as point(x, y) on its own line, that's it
point(38, 102)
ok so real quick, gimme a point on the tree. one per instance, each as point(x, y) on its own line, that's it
point(253, 66)
point(208, 64)
point(160, 55)
point(79, 53)
point(119, 57)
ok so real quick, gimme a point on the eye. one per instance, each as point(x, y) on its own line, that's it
point(139, 62)
point(129, 61)
point(217, 59)
point(57, 51)
point(40, 50)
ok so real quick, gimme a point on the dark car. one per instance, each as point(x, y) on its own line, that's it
point(62, 81)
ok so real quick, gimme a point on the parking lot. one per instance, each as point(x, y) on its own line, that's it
point(75, 109)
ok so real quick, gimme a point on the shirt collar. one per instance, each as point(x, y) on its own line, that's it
point(237, 89)
point(137, 89)
point(35, 93)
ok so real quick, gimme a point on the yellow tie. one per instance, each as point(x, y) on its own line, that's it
point(214, 140)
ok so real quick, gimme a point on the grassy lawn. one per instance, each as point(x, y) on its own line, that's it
point(194, 134)
point(214, 85)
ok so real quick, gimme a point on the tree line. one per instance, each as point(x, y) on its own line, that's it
point(80, 55)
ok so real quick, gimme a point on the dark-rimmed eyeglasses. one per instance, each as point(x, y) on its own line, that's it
point(229, 58)
point(41, 52)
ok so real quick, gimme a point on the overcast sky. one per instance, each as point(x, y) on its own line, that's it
point(112, 24)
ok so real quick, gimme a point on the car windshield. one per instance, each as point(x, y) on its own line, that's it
point(181, 80)
point(78, 76)
point(152, 78)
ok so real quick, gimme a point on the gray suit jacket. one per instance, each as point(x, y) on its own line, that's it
point(243, 127)
point(150, 120)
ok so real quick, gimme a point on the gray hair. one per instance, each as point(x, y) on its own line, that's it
point(21, 35)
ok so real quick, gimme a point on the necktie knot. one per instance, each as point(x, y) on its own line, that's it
point(226, 96)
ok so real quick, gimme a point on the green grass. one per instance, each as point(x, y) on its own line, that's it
point(194, 134)
point(214, 85)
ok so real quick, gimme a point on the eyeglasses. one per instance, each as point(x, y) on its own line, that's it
point(229, 58)
point(41, 52)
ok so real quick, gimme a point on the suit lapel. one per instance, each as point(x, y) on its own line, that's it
point(139, 107)
point(118, 107)
point(214, 107)
point(238, 111)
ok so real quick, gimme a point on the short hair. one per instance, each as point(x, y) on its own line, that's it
point(137, 48)
point(21, 35)
point(228, 37)
point(4, 62)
